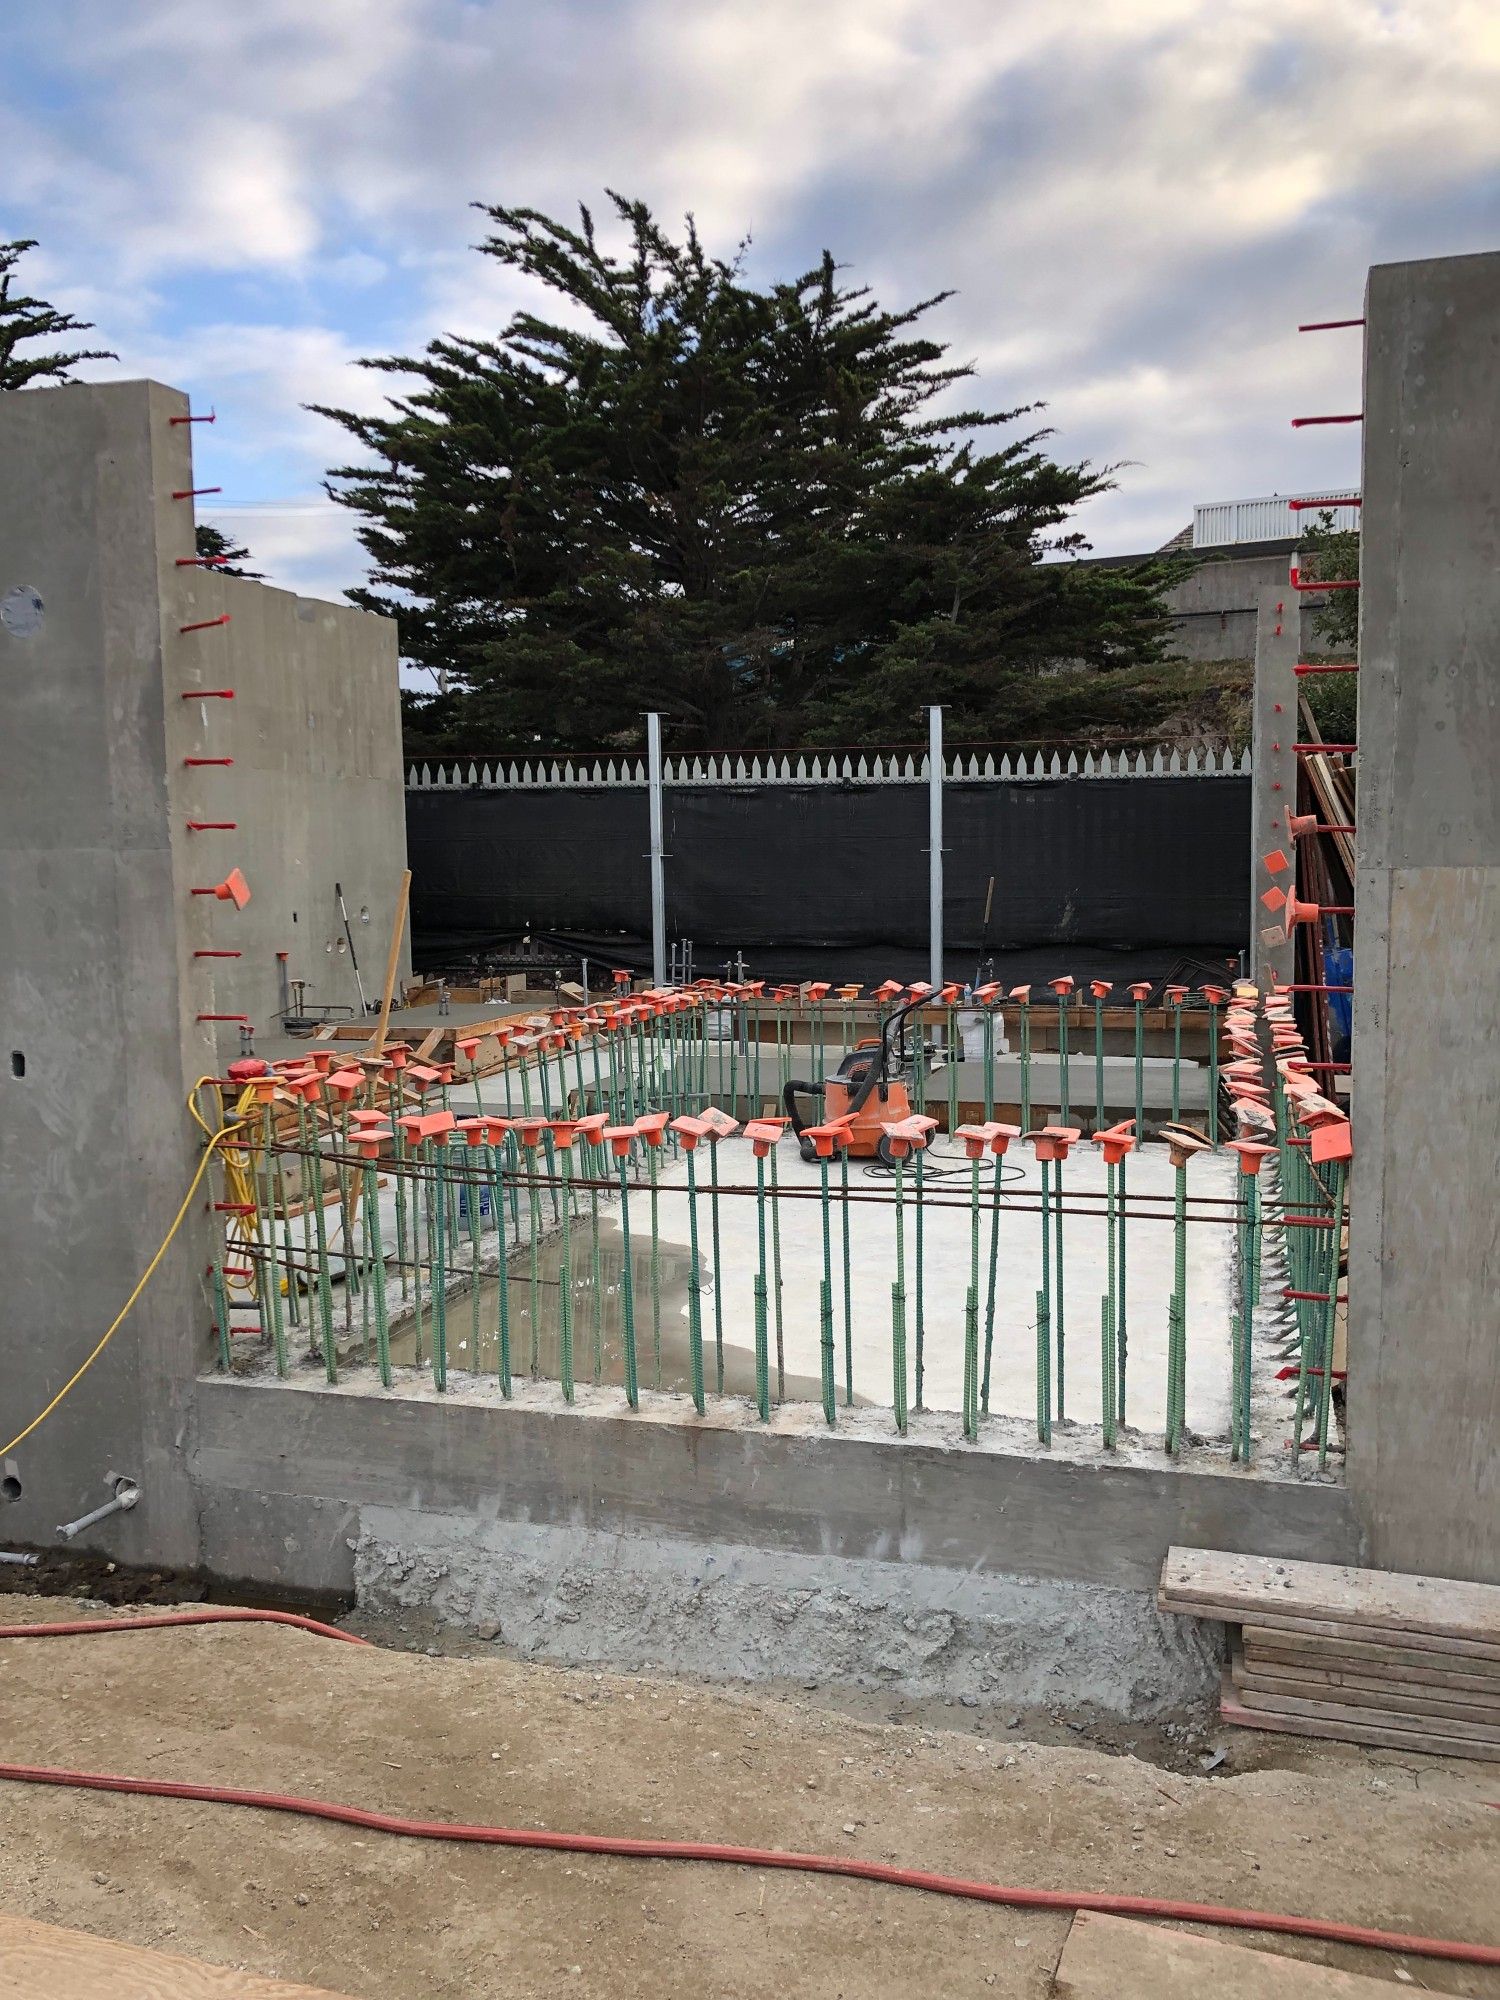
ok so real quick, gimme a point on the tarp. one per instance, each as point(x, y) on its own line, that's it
point(1129, 874)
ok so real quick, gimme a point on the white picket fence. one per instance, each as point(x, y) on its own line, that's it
point(834, 768)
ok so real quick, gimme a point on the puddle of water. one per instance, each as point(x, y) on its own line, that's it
point(481, 1356)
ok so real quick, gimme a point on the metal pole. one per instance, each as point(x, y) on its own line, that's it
point(658, 870)
point(935, 846)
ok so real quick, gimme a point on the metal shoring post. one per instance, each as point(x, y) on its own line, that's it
point(658, 856)
point(1174, 1001)
point(621, 1139)
point(1023, 994)
point(935, 775)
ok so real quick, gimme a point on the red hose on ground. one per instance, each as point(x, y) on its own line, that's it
point(211, 1614)
point(691, 1850)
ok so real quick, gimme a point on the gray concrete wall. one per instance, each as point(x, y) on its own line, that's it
point(96, 996)
point(1424, 1278)
point(740, 1550)
point(316, 792)
point(102, 988)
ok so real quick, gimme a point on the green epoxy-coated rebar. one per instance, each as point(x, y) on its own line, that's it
point(776, 1284)
point(848, 1279)
point(1044, 1320)
point(1099, 1062)
point(1025, 1011)
point(221, 1308)
point(713, 1223)
point(565, 1280)
point(651, 1172)
point(898, 1305)
point(1213, 1073)
point(989, 1298)
point(1177, 1316)
point(825, 1297)
point(1061, 1292)
point(534, 1206)
point(1062, 1066)
point(399, 1176)
point(597, 1280)
point(762, 1355)
point(270, 1264)
point(920, 1329)
point(989, 1065)
point(695, 1302)
point(627, 1291)
point(971, 1312)
point(437, 1243)
point(304, 1174)
point(1108, 1362)
point(377, 1272)
point(1330, 1308)
point(471, 1204)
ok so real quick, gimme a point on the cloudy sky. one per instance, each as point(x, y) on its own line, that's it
point(1135, 201)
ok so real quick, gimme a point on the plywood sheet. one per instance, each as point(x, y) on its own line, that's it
point(37, 1959)
point(1114, 1958)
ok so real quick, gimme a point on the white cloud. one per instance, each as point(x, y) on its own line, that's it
point(1135, 199)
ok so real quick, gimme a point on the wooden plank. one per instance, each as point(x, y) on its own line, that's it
point(38, 1959)
point(1116, 1958)
point(1380, 1735)
point(429, 1042)
point(1456, 1669)
point(1467, 1689)
point(1450, 1651)
point(1428, 1703)
point(1331, 1591)
point(1341, 1711)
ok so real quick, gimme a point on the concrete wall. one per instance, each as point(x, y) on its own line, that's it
point(734, 1549)
point(96, 992)
point(101, 990)
point(1424, 1277)
point(1215, 606)
point(316, 792)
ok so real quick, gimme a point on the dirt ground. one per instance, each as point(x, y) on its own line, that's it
point(1367, 1837)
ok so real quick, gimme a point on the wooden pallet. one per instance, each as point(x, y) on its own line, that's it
point(1363, 1656)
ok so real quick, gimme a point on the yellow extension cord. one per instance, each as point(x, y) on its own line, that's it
point(215, 1140)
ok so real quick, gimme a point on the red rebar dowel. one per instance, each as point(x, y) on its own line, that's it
point(195, 763)
point(205, 624)
point(224, 1017)
point(211, 418)
point(188, 492)
point(1335, 583)
point(208, 694)
point(1326, 325)
point(1313, 986)
point(1338, 1069)
point(212, 562)
point(1300, 506)
point(218, 954)
point(1311, 749)
point(213, 825)
point(1351, 417)
point(1304, 667)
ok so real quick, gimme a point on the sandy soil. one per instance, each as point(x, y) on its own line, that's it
point(1365, 1837)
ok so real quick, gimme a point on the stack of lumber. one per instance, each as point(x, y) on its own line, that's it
point(1402, 1662)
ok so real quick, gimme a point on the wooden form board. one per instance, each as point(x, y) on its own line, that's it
point(38, 1959)
point(1380, 1735)
point(1211, 1583)
point(1337, 1704)
point(1115, 1958)
point(1442, 1668)
point(1267, 1677)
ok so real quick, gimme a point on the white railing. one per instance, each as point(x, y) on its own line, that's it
point(1219, 524)
point(834, 768)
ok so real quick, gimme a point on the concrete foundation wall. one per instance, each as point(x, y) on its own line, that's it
point(316, 791)
point(1424, 1276)
point(720, 1545)
point(96, 1001)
